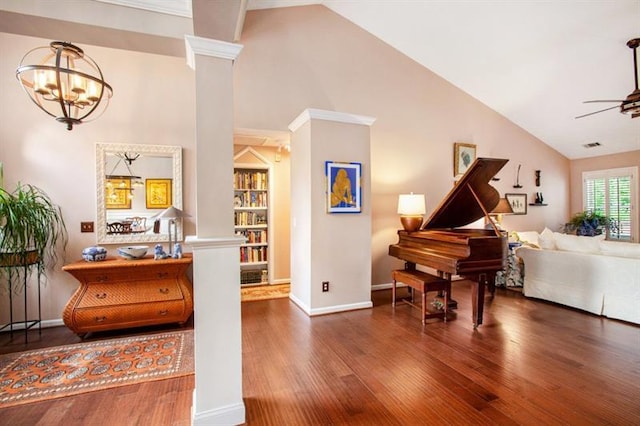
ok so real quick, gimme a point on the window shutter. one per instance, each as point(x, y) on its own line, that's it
point(610, 192)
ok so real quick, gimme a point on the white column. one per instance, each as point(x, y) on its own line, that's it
point(217, 397)
point(329, 247)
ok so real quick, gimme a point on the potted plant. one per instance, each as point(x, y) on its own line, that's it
point(31, 228)
point(590, 223)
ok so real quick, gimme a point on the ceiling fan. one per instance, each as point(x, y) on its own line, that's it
point(631, 105)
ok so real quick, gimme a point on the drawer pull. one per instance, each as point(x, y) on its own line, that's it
point(164, 290)
point(163, 274)
point(101, 319)
point(101, 295)
point(163, 313)
point(102, 278)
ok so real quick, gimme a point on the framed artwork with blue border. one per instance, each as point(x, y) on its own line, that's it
point(344, 192)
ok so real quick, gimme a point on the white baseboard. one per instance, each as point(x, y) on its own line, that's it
point(229, 415)
point(385, 286)
point(329, 309)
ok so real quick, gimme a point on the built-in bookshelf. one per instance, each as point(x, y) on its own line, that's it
point(251, 215)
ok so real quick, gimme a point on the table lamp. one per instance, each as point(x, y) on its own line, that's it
point(411, 208)
point(172, 213)
point(503, 207)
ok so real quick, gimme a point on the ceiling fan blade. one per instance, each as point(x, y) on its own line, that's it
point(596, 112)
point(592, 102)
point(635, 115)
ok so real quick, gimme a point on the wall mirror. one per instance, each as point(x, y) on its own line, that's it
point(134, 184)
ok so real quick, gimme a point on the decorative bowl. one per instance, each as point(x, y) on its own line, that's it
point(94, 254)
point(133, 252)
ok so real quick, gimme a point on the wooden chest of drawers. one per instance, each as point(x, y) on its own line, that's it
point(119, 293)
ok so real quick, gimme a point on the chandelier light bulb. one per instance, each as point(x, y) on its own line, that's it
point(64, 82)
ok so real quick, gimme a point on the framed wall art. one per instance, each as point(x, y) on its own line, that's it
point(463, 155)
point(518, 203)
point(116, 193)
point(343, 187)
point(158, 193)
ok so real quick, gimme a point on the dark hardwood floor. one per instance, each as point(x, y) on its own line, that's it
point(531, 362)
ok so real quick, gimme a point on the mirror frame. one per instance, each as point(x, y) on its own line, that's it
point(174, 152)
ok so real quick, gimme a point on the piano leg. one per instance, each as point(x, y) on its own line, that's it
point(477, 301)
point(477, 295)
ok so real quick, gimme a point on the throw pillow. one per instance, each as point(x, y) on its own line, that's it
point(577, 243)
point(546, 240)
point(620, 249)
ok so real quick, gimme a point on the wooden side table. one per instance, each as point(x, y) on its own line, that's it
point(118, 293)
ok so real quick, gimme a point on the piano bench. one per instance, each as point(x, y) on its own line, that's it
point(424, 283)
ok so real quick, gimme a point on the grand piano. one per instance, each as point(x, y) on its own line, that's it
point(475, 254)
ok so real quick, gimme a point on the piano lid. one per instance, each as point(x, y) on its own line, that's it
point(465, 202)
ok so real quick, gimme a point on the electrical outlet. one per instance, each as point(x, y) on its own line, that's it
point(325, 286)
point(86, 226)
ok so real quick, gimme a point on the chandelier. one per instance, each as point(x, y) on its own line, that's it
point(126, 181)
point(64, 82)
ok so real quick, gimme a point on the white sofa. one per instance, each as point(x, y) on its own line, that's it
point(588, 273)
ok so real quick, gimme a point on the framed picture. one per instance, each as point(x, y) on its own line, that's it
point(158, 193)
point(463, 156)
point(518, 203)
point(343, 187)
point(116, 193)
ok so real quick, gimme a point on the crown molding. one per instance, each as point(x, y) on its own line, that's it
point(168, 7)
point(321, 114)
point(208, 47)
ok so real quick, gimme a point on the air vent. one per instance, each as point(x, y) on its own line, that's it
point(591, 145)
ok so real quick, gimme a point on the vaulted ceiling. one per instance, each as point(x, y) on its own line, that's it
point(533, 61)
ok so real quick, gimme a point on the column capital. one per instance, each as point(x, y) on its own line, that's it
point(209, 47)
point(321, 114)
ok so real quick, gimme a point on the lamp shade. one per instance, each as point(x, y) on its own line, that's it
point(411, 204)
point(503, 207)
point(171, 213)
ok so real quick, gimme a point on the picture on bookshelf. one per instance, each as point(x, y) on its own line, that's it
point(343, 187)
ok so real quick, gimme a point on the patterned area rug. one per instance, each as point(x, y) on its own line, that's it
point(264, 292)
point(72, 369)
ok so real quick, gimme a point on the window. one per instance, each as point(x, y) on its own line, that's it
point(614, 193)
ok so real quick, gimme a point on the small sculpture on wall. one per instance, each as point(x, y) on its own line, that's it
point(517, 185)
point(537, 177)
point(539, 198)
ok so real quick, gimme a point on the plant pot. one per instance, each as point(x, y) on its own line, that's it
point(13, 260)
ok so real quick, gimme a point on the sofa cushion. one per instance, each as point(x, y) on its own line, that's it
point(620, 249)
point(546, 240)
point(577, 243)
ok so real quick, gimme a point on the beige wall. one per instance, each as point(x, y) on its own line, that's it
point(293, 58)
point(308, 57)
point(153, 103)
point(627, 159)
